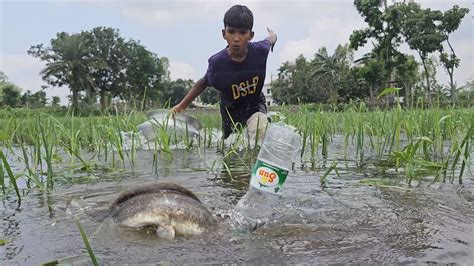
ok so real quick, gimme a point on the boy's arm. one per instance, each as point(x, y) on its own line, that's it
point(194, 92)
point(272, 37)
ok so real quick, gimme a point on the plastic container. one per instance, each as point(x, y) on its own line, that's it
point(279, 148)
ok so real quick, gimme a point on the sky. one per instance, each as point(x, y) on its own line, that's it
point(189, 32)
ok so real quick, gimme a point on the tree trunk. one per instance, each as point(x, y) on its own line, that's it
point(452, 87)
point(407, 93)
point(427, 77)
point(103, 100)
point(372, 98)
point(75, 100)
point(451, 73)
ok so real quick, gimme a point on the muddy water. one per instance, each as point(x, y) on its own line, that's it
point(353, 220)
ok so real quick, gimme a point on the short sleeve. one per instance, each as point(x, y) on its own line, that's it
point(263, 46)
point(208, 75)
point(206, 79)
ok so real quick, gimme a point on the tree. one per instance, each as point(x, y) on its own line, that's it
point(383, 27)
point(110, 49)
point(450, 22)
point(55, 101)
point(3, 77)
point(10, 94)
point(210, 96)
point(176, 90)
point(408, 75)
point(35, 100)
point(68, 62)
point(294, 84)
point(419, 26)
point(39, 99)
point(331, 68)
point(145, 75)
point(372, 70)
point(466, 93)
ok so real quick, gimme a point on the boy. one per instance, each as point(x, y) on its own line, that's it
point(237, 72)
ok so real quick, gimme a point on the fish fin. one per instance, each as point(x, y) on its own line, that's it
point(154, 187)
point(165, 231)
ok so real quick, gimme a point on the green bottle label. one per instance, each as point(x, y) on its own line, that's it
point(268, 177)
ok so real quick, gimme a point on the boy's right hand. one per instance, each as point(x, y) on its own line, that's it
point(272, 37)
point(177, 109)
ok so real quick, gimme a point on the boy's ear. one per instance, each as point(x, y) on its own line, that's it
point(251, 35)
point(223, 33)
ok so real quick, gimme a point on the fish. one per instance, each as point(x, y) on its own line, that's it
point(181, 124)
point(256, 127)
point(253, 134)
point(171, 209)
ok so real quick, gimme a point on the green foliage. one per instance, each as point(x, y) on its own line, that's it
point(55, 101)
point(68, 62)
point(145, 76)
point(110, 48)
point(5, 168)
point(176, 90)
point(9, 94)
point(100, 62)
point(419, 27)
point(433, 142)
point(384, 29)
point(292, 86)
point(334, 78)
point(320, 80)
point(3, 77)
point(450, 22)
point(95, 262)
point(35, 100)
point(210, 96)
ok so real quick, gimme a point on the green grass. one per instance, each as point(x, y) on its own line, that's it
point(416, 141)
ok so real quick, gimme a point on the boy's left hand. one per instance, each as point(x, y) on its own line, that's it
point(272, 37)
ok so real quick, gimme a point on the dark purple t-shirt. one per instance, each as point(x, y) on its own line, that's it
point(239, 83)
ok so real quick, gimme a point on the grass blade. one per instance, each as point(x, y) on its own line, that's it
point(95, 262)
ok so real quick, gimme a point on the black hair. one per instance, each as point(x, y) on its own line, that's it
point(239, 17)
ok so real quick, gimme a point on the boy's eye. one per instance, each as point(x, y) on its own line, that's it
point(234, 31)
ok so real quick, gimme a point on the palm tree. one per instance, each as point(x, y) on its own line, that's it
point(371, 68)
point(328, 67)
point(68, 62)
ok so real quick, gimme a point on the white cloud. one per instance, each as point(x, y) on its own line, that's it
point(464, 49)
point(19, 67)
point(23, 71)
point(169, 12)
point(303, 26)
point(325, 32)
point(183, 70)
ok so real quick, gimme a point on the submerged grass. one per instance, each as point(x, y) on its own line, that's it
point(416, 141)
point(95, 262)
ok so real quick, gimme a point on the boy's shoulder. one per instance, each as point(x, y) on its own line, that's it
point(261, 46)
point(219, 56)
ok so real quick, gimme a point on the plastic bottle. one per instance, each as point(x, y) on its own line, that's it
point(279, 148)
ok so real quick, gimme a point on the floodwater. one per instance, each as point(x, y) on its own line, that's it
point(364, 215)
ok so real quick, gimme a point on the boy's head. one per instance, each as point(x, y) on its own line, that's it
point(239, 17)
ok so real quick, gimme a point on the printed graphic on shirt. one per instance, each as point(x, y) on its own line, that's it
point(244, 88)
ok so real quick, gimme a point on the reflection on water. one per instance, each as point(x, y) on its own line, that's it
point(348, 221)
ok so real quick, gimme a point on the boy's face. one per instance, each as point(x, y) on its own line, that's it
point(237, 39)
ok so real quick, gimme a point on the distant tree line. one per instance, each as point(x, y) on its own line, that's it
point(99, 65)
point(10, 95)
point(338, 77)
